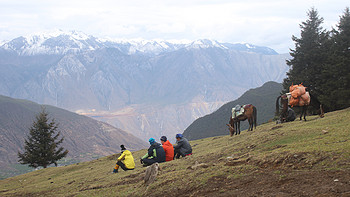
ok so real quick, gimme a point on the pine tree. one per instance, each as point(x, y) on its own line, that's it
point(41, 147)
point(309, 54)
point(336, 73)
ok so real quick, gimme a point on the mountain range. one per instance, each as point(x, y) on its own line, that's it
point(149, 88)
point(85, 138)
point(61, 42)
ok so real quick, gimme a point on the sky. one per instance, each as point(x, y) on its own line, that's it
point(270, 23)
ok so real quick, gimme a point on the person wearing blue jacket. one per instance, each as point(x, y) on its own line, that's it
point(154, 154)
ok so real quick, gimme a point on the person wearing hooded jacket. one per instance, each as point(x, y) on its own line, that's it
point(182, 147)
point(154, 154)
point(125, 161)
point(168, 148)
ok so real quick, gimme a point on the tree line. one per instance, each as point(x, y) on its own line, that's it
point(321, 60)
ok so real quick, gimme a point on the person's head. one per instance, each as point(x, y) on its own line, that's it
point(122, 147)
point(163, 139)
point(151, 141)
point(179, 136)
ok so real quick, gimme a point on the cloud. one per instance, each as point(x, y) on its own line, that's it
point(269, 23)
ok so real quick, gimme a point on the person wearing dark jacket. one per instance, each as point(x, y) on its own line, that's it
point(182, 147)
point(154, 154)
point(290, 115)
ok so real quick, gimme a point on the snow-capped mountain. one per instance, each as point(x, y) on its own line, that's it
point(61, 42)
point(141, 86)
point(57, 42)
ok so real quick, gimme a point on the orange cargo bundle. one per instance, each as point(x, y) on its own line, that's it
point(305, 99)
point(298, 91)
point(293, 101)
point(302, 89)
point(292, 87)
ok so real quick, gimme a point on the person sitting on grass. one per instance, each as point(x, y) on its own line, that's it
point(125, 161)
point(168, 148)
point(154, 154)
point(183, 147)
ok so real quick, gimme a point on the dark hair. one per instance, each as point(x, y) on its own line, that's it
point(122, 147)
point(163, 138)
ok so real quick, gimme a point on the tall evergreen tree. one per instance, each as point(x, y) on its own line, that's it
point(336, 73)
point(309, 54)
point(41, 147)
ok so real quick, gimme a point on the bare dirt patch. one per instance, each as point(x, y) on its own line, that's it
point(276, 183)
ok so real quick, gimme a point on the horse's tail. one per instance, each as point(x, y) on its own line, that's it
point(317, 104)
point(277, 106)
point(255, 116)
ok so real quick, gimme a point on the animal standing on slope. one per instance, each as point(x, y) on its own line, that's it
point(249, 112)
point(298, 96)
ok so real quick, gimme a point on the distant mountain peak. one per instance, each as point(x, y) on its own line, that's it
point(62, 42)
point(205, 43)
point(52, 42)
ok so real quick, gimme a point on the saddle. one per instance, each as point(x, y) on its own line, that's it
point(237, 111)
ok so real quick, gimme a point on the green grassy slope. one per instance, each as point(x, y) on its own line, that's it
point(299, 158)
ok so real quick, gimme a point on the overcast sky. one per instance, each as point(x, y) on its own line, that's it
point(268, 23)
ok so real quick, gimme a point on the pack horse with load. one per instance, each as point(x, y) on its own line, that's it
point(241, 113)
point(297, 96)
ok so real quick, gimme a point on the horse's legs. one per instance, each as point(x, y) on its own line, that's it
point(239, 127)
point(236, 128)
point(305, 110)
point(250, 124)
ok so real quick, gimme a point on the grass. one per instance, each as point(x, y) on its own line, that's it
point(14, 170)
point(317, 144)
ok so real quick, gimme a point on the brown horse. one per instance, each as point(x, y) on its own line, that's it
point(284, 103)
point(249, 113)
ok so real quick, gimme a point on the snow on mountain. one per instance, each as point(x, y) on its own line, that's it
point(54, 42)
point(151, 46)
point(205, 43)
point(250, 48)
point(61, 42)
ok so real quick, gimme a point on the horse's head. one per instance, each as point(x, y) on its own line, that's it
point(231, 126)
point(231, 129)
